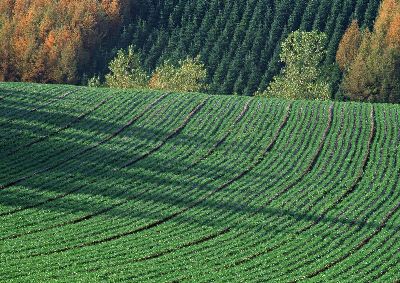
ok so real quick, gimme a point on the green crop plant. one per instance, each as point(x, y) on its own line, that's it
point(101, 184)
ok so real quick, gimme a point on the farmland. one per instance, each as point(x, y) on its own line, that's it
point(113, 185)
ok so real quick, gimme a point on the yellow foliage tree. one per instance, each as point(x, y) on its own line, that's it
point(348, 46)
point(188, 76)
point(126, 71)
point(374, 74)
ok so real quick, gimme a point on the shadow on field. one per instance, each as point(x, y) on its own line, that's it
point(27, 126)
point(152, 188)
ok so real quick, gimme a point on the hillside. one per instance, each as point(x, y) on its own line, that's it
point(112, 185)
point(239, 41)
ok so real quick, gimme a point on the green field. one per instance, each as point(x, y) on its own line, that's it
point(111, 185)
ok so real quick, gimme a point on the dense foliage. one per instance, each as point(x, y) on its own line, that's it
point(371, 60)
point(349, 46)
point(301, 77)
point(237, 44)
point(239, 41)
point(57, 41)
point(188, 76)
point(126, 71)
point(105, 185)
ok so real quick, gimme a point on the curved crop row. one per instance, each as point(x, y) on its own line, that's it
point(149, 186)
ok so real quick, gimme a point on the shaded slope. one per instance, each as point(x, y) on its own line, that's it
point(186, 187)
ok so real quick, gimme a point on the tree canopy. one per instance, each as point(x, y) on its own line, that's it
point(373, 74)
point(301, 77)
point(55, 41)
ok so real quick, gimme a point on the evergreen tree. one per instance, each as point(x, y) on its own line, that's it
point(360, 9)
point(295, 20)
point(309, 15)
point(340, 27)
point(174, 29)
point(370, 13)
point(322, 15)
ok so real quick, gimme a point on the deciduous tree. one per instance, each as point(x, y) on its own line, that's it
point(126, 71)
point(349, 45)
point(374, 74)
point(189, 76)
point(55, 41)
point(301, 78)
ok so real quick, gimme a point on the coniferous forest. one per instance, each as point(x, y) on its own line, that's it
point(237, 43)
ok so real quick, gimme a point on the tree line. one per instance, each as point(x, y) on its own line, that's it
point(229, 47)
point(370, 59)
point(57, 41)
point(239, 41)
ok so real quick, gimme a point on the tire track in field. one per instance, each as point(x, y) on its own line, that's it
point(175, 132)
point(61, 129)
point(214, 147)
point(352, 188)
point(107, 139)
point(184, 245)
point(191, 243)
point(375, 175)
point(51, 101)
point(176, 214)
point(168, 137)
point(8, 213)
point(229, 228)
point(286, 241)
point(385, 252)
point(276, 246)
point(367, 239)
point(8, 93)
point(359, 246)
point(310, 166)
point(358, 178)
point(357, 221)
point(211, 150)
point(373, 200)
point(45, 104)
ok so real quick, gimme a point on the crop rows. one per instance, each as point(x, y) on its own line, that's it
point(147, 186)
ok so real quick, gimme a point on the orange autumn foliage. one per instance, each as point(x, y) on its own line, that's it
point(373, 74)
point(54, 40)
point(349, 46)
point(393, 33)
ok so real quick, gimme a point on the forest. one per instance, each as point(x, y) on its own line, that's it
point(235, 46)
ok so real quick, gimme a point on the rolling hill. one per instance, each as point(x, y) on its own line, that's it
point(112, 185)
